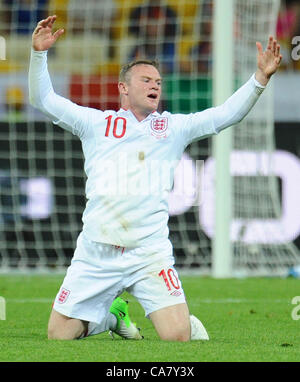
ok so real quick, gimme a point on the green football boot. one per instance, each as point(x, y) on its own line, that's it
point(124, 328)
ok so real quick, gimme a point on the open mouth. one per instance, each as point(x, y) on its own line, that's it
point(152, 96)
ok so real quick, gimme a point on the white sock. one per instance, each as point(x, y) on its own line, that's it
point(109, 323)
point(198, 331)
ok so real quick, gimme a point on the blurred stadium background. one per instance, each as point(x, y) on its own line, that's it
point(41, 166)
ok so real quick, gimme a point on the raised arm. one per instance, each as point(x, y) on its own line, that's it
point(60, 110)
point(242, 101)
point(235, 108)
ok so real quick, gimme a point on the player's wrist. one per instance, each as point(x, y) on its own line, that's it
point(261, 77)
point(35, 51)
point(37, 48)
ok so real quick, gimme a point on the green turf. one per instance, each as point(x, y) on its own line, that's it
point(247, 320)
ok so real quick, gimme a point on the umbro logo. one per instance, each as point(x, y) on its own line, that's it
point(175, 293)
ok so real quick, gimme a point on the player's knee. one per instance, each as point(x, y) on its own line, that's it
point(60, 334)
point(54, 334)
point(61, 327)
point(61, 331)
point(181, 334)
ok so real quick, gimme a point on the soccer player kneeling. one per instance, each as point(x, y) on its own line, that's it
point(124, 244)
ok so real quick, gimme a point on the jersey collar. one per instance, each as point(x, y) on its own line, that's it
point(129, 112)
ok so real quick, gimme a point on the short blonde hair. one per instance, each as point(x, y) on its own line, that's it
point(125, 70)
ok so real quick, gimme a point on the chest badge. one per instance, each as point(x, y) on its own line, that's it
point(159, 127)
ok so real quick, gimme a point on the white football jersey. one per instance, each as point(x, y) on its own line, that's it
point(130, 164)
point(130, 167)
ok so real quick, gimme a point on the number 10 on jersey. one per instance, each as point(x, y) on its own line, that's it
point(119, 127)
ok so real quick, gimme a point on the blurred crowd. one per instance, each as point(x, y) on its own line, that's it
point(176, 33)
point(167, 30)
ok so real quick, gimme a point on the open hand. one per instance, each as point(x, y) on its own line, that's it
point(42, 37)
point(268, 61)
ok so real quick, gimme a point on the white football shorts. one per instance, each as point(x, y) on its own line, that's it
point(100, 272)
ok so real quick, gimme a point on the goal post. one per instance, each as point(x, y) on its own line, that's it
point(222, 144)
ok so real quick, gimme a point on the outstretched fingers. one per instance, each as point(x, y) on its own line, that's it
point(272, 46)
point(43, 36)
point(277, 51)
point(259, 47)
point(48, 22)
point(58, 33)
point(268, 61)
point(52, 20)
point(270, 43)
point(37, 29)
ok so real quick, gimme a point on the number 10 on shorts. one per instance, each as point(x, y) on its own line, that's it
point(170, 278)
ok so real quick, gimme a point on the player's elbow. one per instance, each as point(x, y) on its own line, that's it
point(37, 97)
point(33, 100)
point(36, 101)
point(229, 123)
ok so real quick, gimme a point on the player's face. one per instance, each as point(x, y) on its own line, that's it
point(144, 88)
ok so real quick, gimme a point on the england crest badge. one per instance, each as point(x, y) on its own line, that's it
point(159, 127)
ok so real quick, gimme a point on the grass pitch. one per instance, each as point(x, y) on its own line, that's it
point(248, 320)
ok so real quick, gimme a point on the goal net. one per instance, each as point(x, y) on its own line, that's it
point(41, 166)
point(261, 234)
